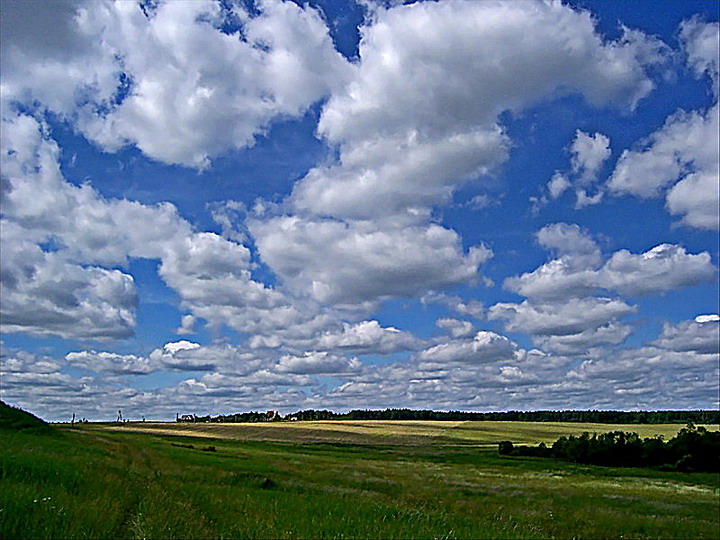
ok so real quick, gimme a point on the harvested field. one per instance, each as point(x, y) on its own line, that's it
point(393, 432)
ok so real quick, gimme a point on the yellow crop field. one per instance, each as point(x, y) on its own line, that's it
point(395, 432)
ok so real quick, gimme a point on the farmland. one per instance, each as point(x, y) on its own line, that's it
point(380, 479)
point(392, 431)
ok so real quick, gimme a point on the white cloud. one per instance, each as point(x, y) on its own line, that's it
point(484, 347)
point(682, 155)
point(419, 116)
point(25, 362)
point(192, 91)
point(366, 337)
point(579, 271)
point(455, 327)
point(699, 336)
point(418, 119)
point(561, 311)
point(574, 316)
point(317, 362)
point(701, 44)
point(398, 175)
point(342, 263)
point(583, 199)
point(687, 140)
point(663, 268)
point(108, 362)
point(459, 306)
point(187, 325)
point(589, 152)
point(696, 198)
point(414, 119)
point(43, 294)
point(612, 333)
point(218, 359)
point(558, 184)
point(565, 239)
point(59, 239)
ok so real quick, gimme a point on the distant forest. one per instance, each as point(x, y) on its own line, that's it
point(599, 417)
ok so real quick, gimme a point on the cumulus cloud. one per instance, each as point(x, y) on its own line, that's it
point(107, 362)
point(701, 45)
point(59, 240)
point(573, 316)
point(20, 361)
point(342, 263)
point(680, 160)
point(184, 355)
point(366, 337)
point(170, 81)
point(316, 362)
point(43, 294)
point(681, 153)
point(578, 270)
point(558, 184)
point(611, 333)
point(187, 325)
point(484, 347)
point(419, 118)
point(414, 119)
point(700, 336)
point(457, 305)
point(589, 152)
point(569, 239)
point(562, 309)
point(662, 268)
point(455, 327)
point(687, 351)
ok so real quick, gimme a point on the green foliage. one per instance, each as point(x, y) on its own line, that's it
point(693, 448)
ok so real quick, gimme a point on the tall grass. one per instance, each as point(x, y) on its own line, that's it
point(82, 483)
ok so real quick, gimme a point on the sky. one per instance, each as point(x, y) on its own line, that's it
point(219, 206)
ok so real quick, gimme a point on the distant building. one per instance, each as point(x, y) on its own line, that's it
point(185, 418)
point(272, 415)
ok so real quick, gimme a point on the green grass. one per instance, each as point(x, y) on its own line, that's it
point(12, 418)
point(93, 482)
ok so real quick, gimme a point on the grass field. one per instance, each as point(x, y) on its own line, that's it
point(395, 432)
point(335, 480)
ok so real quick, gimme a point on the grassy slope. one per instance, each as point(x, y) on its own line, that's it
point(12, 418)
point(99, 483)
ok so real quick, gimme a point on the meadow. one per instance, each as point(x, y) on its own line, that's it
point(367, 479)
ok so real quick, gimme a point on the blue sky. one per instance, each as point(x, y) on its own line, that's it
point(214, 207)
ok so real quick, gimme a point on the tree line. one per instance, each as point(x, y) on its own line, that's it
point(692, 449)
point(591, 416)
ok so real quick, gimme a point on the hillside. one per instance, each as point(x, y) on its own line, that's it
point(14, 418)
